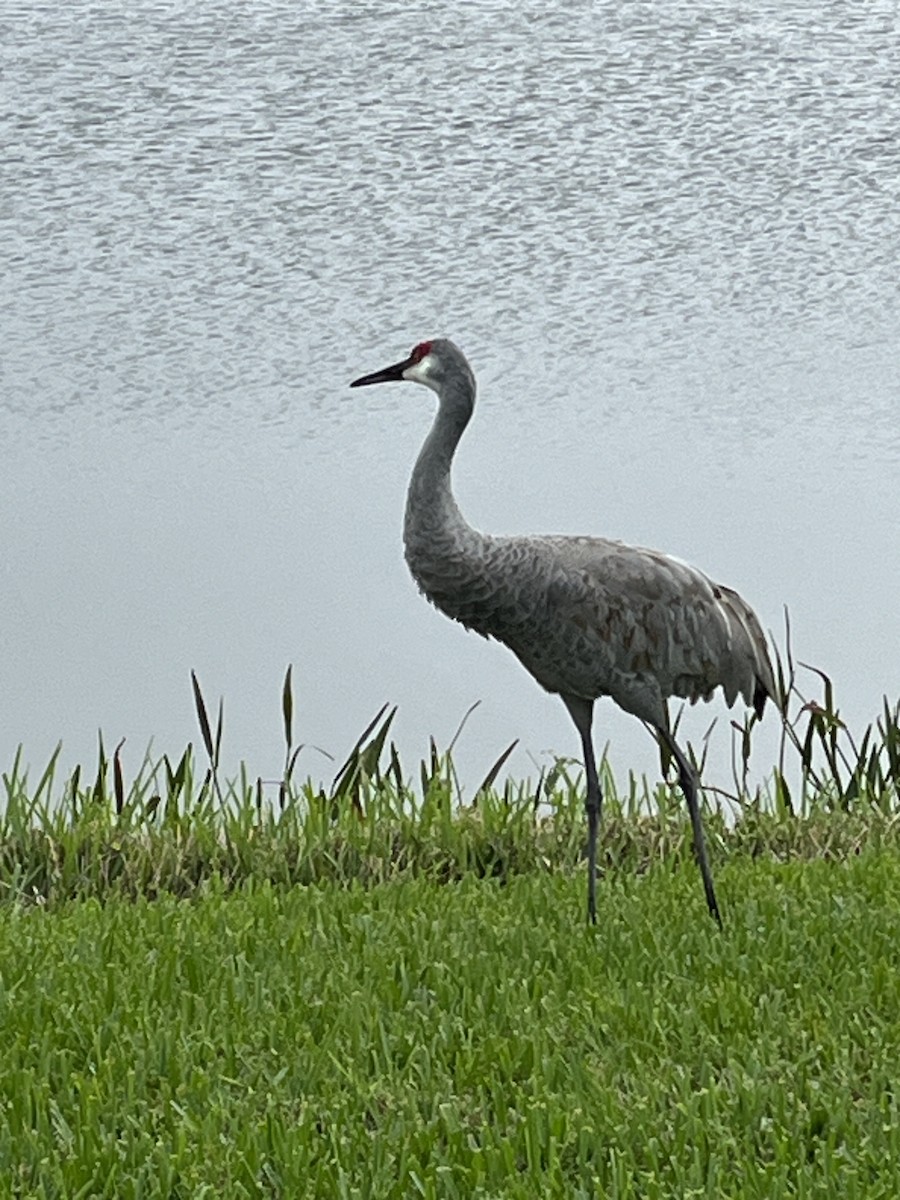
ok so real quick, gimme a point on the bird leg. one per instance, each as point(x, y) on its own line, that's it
point(687, 777)
point(592, 808)
point(581, 712)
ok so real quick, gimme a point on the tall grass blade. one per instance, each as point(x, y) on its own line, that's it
point(462, 726)
point(488, 782)
point(205, 730)
point(212, 743)
point(287, 709)
point(11, 779)
point(361, 763)
point(889, 731)
point(118, 780)
point(220, 715)
point(175, 779)
point(46, 779)
point(99, 793)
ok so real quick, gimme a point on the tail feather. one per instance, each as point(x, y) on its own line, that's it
point(759, 683)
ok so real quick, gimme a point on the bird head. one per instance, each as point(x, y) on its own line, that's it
point(433, 363)
point(416, 368)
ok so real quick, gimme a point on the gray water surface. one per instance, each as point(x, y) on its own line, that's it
point(666, 234)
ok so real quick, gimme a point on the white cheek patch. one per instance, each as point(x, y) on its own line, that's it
point(420, 372)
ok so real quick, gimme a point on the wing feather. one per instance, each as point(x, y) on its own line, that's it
point(591, 617)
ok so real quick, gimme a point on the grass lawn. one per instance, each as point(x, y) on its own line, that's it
point(418, 1038)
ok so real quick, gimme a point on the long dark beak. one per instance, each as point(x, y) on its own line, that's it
point(386, 375)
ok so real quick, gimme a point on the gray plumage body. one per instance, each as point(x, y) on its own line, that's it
point(587, 617)
point(590, 617)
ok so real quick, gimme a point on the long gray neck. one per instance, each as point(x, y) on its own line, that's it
point(435, 530)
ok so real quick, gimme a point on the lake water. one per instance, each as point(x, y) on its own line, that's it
point(667, 235)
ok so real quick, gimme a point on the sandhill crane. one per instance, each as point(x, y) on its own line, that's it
point(588, 617)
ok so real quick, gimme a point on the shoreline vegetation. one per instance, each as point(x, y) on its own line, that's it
point(177, 825)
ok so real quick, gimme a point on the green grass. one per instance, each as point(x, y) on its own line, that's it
point(238, 988)
point(464, 1039)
